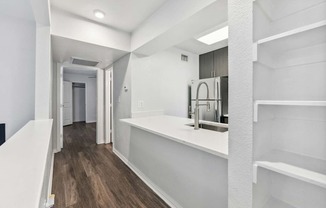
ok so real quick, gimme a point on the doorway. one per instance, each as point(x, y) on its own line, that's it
point(79, 107)
point(79, 102)
point(74, 102)
point(92, 86)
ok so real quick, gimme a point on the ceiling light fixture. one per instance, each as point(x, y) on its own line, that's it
point(99, 14)
point(216, 36)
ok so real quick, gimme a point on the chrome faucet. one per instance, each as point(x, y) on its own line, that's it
point(197, 104)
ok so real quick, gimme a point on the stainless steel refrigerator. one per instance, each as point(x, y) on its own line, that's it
point(218, 99)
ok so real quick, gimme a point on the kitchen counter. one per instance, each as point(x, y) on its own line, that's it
point(175, 128)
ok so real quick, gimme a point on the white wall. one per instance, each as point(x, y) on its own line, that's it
point(79, 104)
point(55, 106)
point(91, 93)
point(161, 81)
point(121, 103)
point(43, 74)
point(17, 79)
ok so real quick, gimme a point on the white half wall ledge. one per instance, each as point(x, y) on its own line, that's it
point(25, 162)
point(73, 27)
point(166, 29)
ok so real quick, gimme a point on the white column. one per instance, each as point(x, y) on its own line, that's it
point(240, 103)
point(100, 108)
point(43, 74)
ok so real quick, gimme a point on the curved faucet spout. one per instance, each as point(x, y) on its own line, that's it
point(198, 87)
point(197, 103)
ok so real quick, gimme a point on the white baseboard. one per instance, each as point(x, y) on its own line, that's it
point(56, 150)
point(51, 176)
point(164, 196)
point(90, 121)
point(100, 142)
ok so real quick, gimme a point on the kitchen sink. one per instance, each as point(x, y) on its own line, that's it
point(210, 127)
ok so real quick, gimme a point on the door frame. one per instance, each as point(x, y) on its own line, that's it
point(108, 90)
point(72, 103)
point(100, 124)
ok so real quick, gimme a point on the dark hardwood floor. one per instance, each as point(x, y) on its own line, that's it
point(87, 175)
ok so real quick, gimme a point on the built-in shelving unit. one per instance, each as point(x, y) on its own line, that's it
point(278, 9)
point(294, 47)
point(257, 103)
point(279, 16)
point(297, 38)
point(289, 74)
point(307, 169)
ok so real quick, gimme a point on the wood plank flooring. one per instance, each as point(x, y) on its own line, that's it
point(87, 175)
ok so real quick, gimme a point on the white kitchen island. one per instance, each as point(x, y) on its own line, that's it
point(176, 129)
point(185, 167)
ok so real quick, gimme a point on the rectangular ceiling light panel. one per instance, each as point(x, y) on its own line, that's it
point(216, 36)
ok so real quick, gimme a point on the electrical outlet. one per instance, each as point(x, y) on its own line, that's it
point(140, 104)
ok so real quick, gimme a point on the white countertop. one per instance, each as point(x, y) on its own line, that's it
point(175, 128)
point(22, 165)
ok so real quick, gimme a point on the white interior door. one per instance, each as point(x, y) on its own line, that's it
point(67, 103)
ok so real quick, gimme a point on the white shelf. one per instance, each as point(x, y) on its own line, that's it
point(275, 203)
point(296, 39)
point(300, 167)
point(278, 9)
point(314, 29)
point(257, 103)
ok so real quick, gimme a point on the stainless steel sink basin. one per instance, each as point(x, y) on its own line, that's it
point(210, 127)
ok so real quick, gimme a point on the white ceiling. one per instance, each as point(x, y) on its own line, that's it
point(17, 8)
point(63, 49)
point(125, 15)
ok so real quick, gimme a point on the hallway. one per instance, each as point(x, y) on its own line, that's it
point(87, 175)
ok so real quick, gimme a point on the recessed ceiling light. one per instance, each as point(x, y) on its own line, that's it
point(216, 36)
point(99, 14)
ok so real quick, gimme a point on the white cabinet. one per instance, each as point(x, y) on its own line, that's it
point(290, 103)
